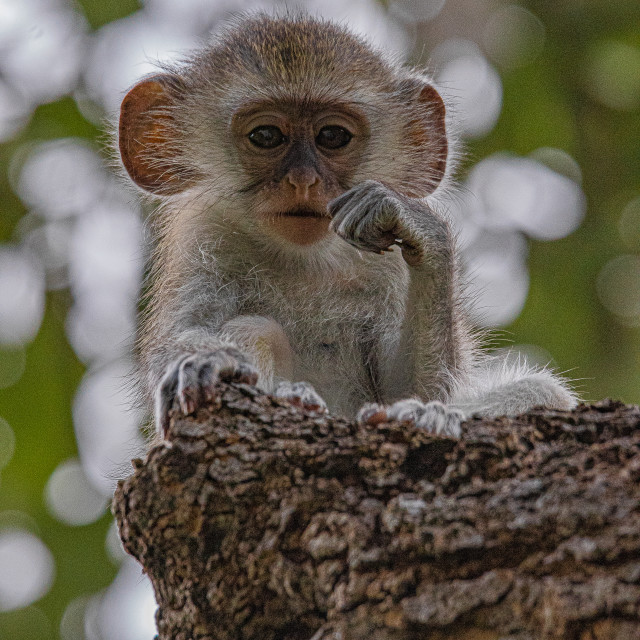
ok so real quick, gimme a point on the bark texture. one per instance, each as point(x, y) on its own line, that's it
point(256, 521)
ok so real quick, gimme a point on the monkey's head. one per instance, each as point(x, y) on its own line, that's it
point(277, 117)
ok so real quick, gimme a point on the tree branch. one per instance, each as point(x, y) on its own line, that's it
point(259, 522)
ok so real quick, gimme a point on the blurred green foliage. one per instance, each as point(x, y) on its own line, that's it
point(547, 102)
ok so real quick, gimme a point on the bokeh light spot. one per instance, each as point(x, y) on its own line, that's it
point(126, 50)
point(70, 496)
point(14, 111)
point(475, 89)
point(524, 194)
point(417, 10)
point(613, 74)
point(72, 625)
point(559, 161)
point(618, 287)
point(498, 276)
point(39, 33)
point(22, 287)
point(126, 610)
point(513, 36)
point(113, 545)
point(13, 361)
point(7, 443)
point(629, 225)
point(50, 242)
point(106, 426)
point(26, 569)
point(105, 267)
point(61, 178)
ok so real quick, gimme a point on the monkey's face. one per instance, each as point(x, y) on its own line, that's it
point(277, 118)
point(296, 158)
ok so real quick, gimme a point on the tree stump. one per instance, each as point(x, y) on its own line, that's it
point(258, 521)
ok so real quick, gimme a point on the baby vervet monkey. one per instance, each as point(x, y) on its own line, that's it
point(290, 158)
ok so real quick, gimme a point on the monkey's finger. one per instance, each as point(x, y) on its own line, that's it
point(412, 254)
point(165, 396)
point(233, 366)
point(245, 373)
point(189, 394)
point(453, 423)
point(362, 242)
point(162, 415)
point(301, 394)
point(341, 201)
point(367, 189)
point(372, 232)
point(372, 414)
point(308, 396)
point(347, 217)
point(208, 378)
point(363, 246)
point(408, 410)
point(439, 419)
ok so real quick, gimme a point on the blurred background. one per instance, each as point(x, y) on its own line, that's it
point(547, 95)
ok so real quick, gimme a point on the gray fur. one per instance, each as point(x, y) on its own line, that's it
point(359, 323)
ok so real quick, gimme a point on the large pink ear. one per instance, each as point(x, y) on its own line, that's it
point(147, 137)
point(426, 138)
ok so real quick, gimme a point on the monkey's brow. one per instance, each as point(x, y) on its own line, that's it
point(304, 104)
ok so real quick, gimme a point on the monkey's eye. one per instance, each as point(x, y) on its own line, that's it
point(333, 137)
point(267, 137)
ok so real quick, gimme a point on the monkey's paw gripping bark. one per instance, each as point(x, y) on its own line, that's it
point(372, 217)
point(301, 394)
point(192, 380)
point(435, 417)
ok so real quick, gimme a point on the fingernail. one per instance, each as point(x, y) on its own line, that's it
point(373, 416)
point(188, 405)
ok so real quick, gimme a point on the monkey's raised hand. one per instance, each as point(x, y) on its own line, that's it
point(373, 217)
point(192, 380)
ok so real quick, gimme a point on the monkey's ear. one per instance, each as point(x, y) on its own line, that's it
point(427, 138)
point(147, 136)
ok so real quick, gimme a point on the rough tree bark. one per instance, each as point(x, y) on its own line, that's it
point(259, 522)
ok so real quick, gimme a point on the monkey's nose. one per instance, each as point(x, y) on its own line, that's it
point(303, 180)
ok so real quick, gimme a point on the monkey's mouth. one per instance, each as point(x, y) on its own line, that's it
point(302, 213)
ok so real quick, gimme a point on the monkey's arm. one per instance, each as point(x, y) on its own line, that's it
point(436, 361)
point(193, 337)
point(427, 358)
point(249, 349)
point(433, 346)
point(428, 355)
point(267, 346)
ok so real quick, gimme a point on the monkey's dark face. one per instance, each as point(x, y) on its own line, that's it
point(298, 157)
